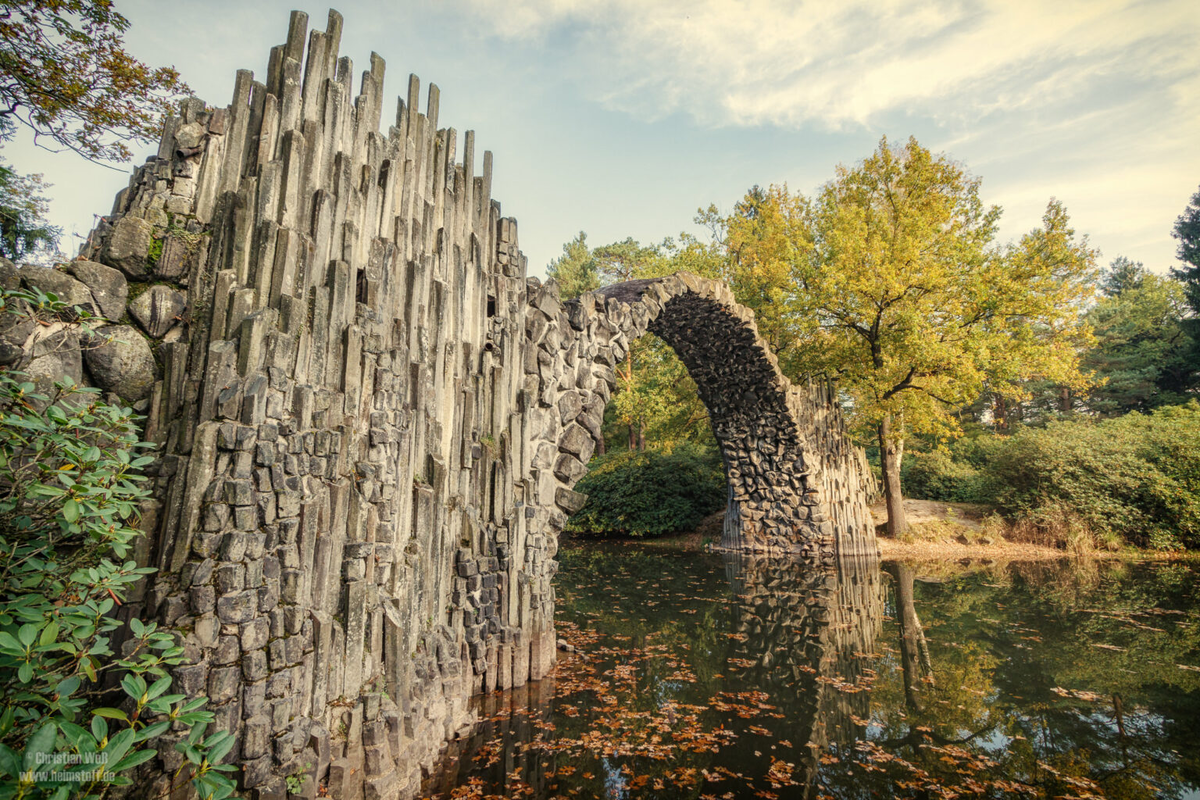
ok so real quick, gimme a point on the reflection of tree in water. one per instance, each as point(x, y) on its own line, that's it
point(914, 648)
point(807, 637)
point(1025, 689)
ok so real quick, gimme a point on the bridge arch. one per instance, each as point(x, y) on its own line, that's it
point(795, 484)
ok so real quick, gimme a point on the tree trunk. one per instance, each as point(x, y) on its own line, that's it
point(635, 439)
point(1000, 413)
point(891, 451)
point(1065, 400)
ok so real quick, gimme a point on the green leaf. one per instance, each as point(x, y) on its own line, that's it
point(40, 744)
point(10, 763)
point(71, 510)
point(219, 750)
point(80, 738)
point(119, 745)
point(49, 633)
point(28, 634)
point(111, 713)
point(99, 728)
point(191, 753)
point(158, 687)
point(151, 731)
point(133, 760)
point(196, 734)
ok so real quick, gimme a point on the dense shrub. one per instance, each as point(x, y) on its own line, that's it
point(939, 476)
point(1135, 477)
point(70, 490)
point(649, 493)
point(953, 474)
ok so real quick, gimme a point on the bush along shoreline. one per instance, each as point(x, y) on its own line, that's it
point(1081, 483)
point(649, 493)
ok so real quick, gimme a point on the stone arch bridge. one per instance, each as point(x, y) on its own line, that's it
point(795, 483)
point(370, 422)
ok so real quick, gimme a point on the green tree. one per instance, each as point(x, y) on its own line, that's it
point(1143, 357)
point(1050, 276)
point(1187, 231)
point(65, 75)
point(889, 281)
point(767, 234)
point(23, 227)
point(575, 269)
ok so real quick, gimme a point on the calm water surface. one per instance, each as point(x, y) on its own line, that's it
point(708, 676)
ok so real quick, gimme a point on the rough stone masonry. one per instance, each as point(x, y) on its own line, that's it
point(370, 421)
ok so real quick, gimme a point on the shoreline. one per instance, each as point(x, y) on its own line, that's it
point(939, 531)
point(1006, 550)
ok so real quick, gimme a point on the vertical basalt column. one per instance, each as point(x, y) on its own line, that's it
point(343, 526)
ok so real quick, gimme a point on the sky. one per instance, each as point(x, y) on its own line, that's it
point(623, 117)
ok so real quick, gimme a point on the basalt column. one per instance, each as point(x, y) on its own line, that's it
point(343, 529)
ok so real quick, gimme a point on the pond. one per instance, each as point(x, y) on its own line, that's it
point(706, 676)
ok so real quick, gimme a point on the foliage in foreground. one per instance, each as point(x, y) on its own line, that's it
point(1133, 479)
point(70, 492)
point(65, 75)
point(649, 492)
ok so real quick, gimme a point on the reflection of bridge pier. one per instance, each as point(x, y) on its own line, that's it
point(808, 633)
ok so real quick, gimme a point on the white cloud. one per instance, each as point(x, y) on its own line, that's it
point(1093, 101)
point(838, 64)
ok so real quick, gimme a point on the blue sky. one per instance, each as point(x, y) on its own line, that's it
point(622, 117)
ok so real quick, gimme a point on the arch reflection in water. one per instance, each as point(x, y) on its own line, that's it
point(742, 677)
point(724, 675)
point(810, 637)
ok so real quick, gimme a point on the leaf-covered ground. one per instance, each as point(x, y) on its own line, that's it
point(701, 677)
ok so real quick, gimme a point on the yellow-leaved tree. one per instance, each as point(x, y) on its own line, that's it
point(890, 281)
